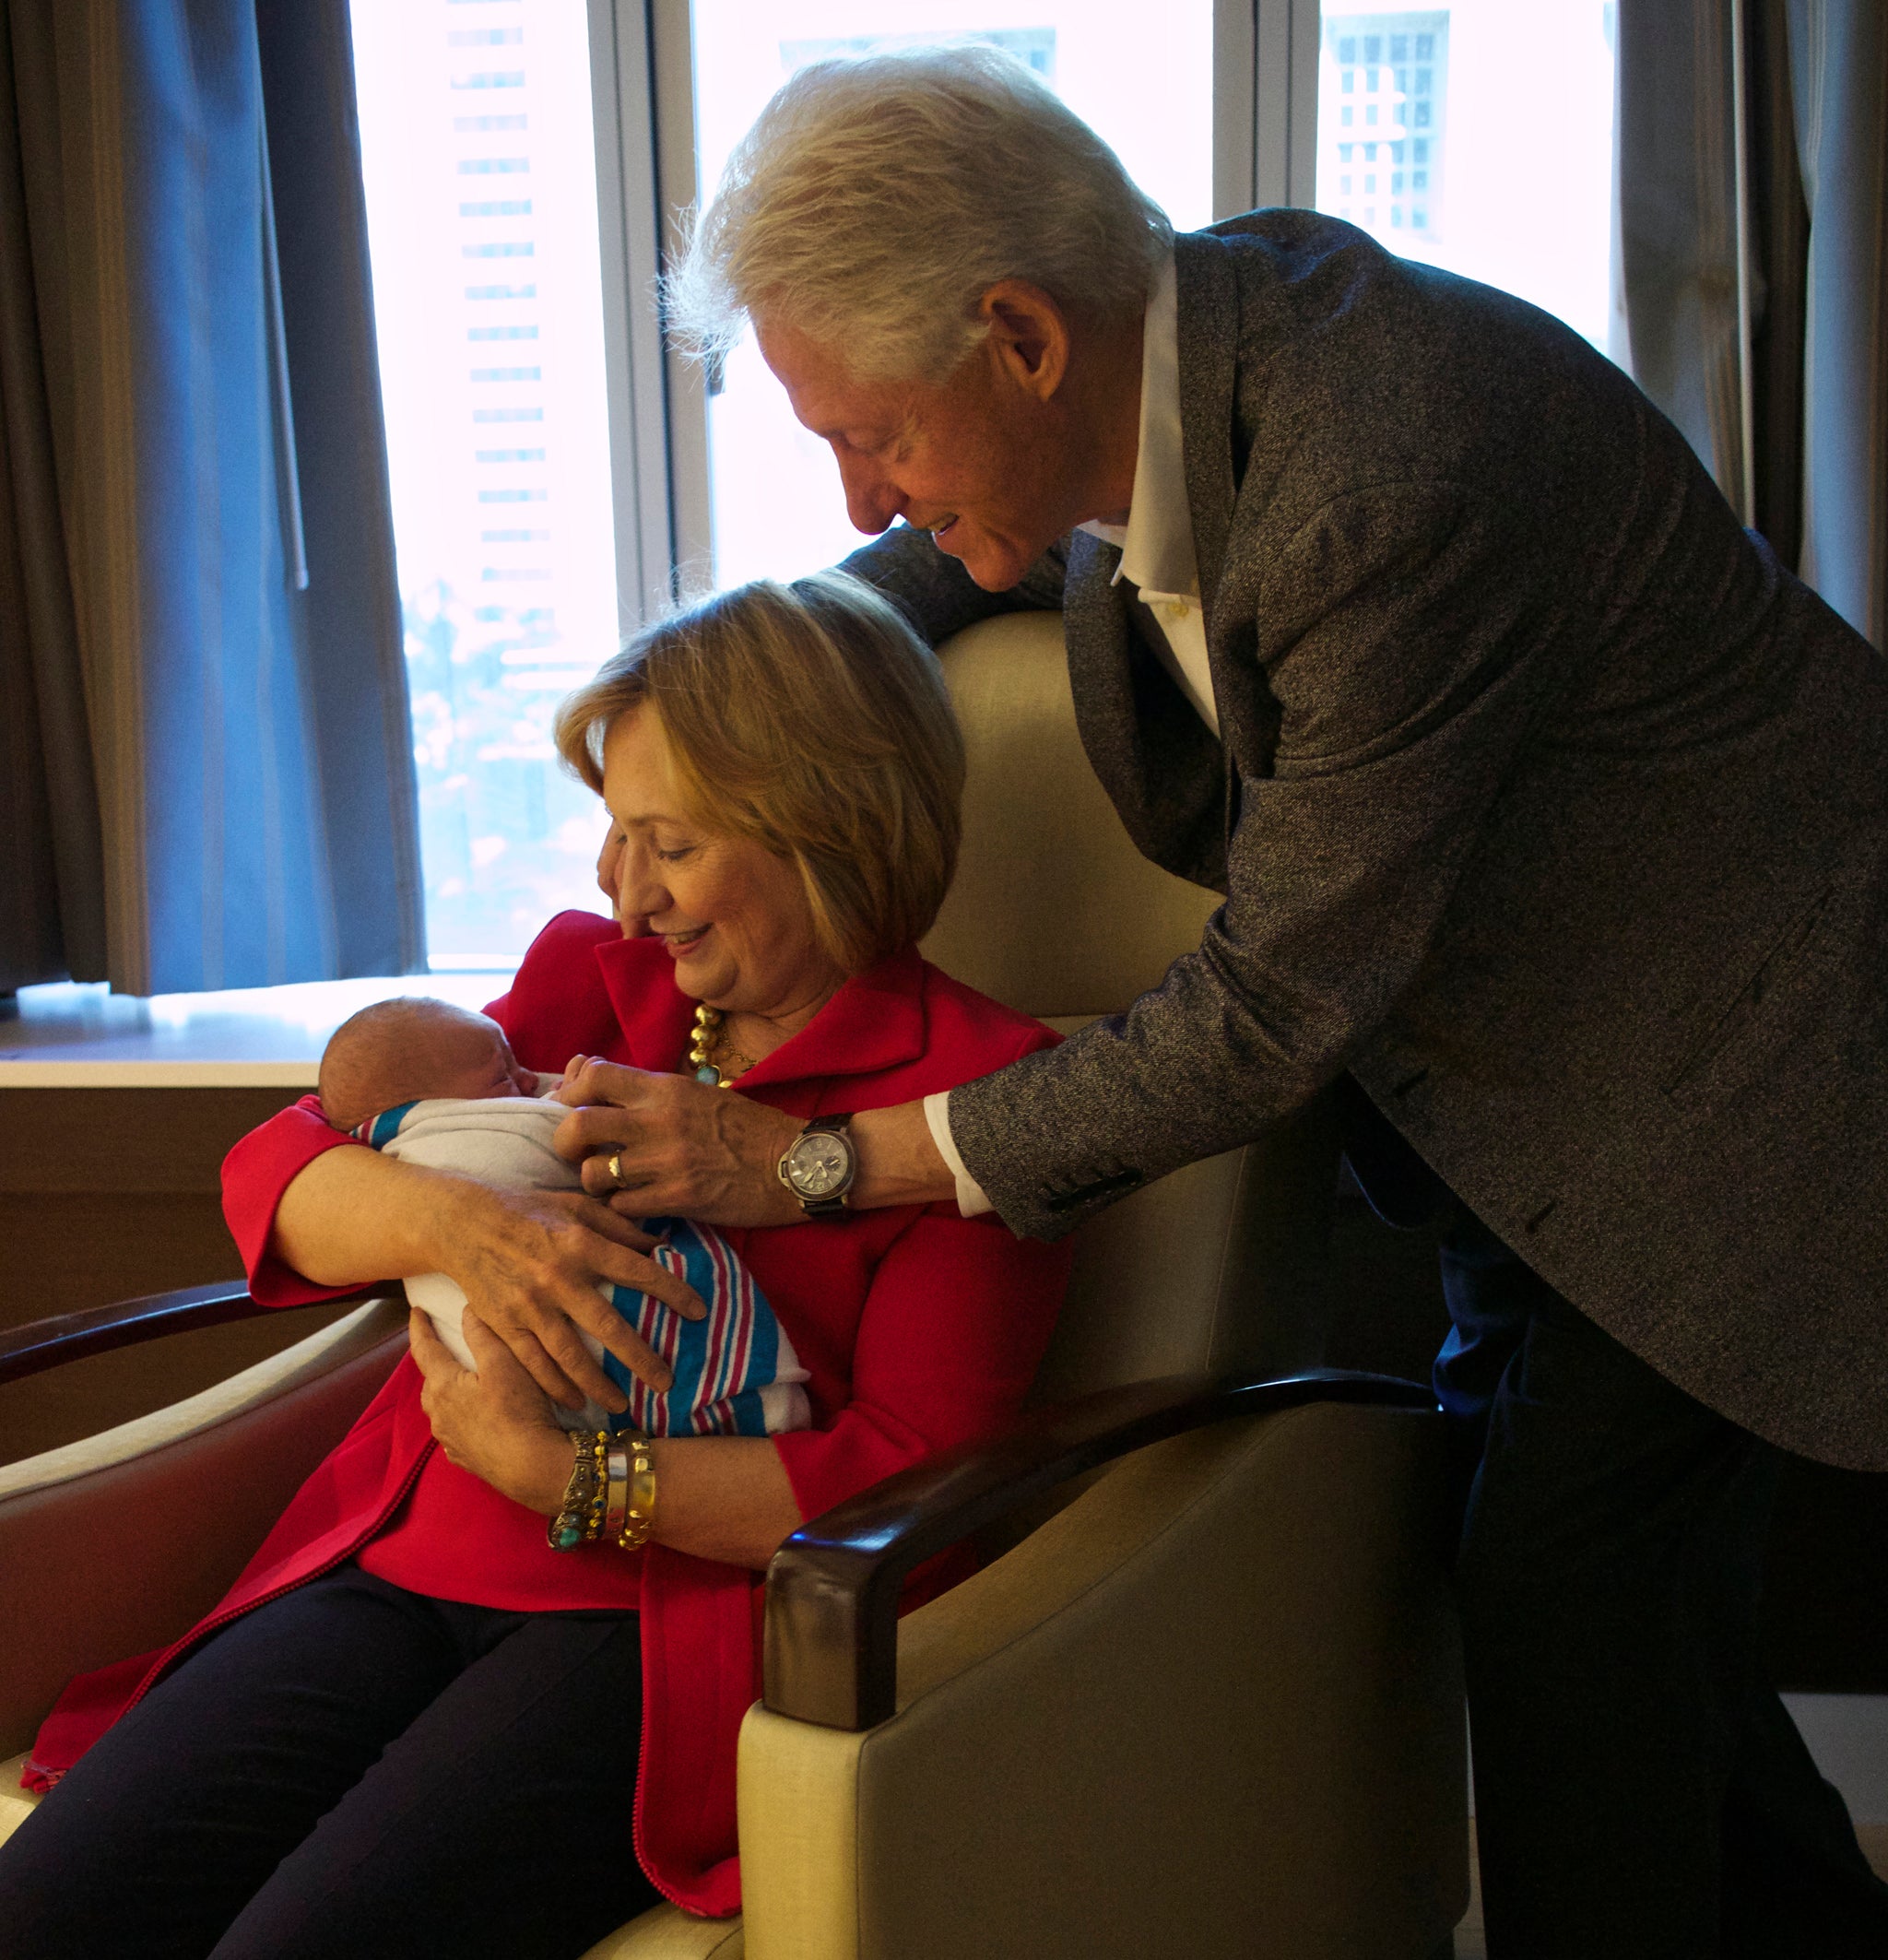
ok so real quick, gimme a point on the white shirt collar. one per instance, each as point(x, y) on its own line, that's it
point(1156, 543)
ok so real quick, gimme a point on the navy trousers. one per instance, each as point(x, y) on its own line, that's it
point(355, 1770)
point(1640, 1788)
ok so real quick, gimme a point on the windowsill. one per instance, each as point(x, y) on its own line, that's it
point(268, 1037)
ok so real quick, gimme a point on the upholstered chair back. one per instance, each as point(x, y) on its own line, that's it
point(1054, 911)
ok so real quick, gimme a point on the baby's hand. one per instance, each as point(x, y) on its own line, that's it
point(568, 1089)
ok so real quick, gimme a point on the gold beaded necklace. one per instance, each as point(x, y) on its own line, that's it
point(702, 1044)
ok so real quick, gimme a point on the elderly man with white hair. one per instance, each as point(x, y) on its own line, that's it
point(1551, 817)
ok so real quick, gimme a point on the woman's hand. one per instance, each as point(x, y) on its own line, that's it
point(495, 1424)
point(716, 1497)
point(684, 1149)
point(528, 1263)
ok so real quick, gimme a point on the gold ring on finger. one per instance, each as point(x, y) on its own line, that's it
point(615, 1171)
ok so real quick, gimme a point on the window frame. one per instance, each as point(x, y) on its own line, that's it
point(642, 88)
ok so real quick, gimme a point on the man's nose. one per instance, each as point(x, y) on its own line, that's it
point(870, 500)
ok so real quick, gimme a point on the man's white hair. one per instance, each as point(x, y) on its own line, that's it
point(877, 199)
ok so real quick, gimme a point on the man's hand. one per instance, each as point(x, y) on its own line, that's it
point(683, 1149)
point(529, 1263)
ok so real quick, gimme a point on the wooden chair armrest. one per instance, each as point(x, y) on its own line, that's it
point(50, 1344)
point(830, 1652)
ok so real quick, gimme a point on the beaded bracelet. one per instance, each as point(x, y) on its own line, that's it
point(579, 1515)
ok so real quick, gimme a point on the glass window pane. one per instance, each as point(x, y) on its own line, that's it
point(482, 203)
point(1146, 87)
point(1515, 195)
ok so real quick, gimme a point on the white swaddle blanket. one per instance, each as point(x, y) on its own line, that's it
point(736, 1372)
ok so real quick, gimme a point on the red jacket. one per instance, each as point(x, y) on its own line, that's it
point(921, 1329)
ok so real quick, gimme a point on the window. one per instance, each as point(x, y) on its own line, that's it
point(1506, 198)
point(775, 497)
point(519, 505)
point(501, 307)
point(483, 228)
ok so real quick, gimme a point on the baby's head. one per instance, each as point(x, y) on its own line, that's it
point(402, 1050)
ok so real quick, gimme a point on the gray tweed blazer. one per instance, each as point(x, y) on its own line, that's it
point(1549, 805)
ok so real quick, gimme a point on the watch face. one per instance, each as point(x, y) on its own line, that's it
point(819, 1164)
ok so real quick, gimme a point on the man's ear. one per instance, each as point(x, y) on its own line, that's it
point(1029, 337)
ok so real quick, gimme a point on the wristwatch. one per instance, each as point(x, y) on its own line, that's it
point(820, 1164)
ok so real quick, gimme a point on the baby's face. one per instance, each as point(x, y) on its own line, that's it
point(477, 1076)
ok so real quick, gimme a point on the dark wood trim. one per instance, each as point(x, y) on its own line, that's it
point(50, 1344)
point(832, 1617)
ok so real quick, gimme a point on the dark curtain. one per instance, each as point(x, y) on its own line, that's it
point(208, 773)
point(1753, 197)
point(1678, 234)
point(1838, 67)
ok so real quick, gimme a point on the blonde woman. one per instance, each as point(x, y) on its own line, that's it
point(413, 1726)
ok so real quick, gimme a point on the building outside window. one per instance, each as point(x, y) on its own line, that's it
point(1515, 184)
point(480, 174)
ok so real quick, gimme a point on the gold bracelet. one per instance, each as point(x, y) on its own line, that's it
point(617, 1464)
point(639, 1522)
point(579, 1518)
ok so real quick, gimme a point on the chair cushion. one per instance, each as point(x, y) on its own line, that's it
point(667, 1933)
point(15, 1804)
point(1214, 1708)
point(182, 1496)
point(1053, 911)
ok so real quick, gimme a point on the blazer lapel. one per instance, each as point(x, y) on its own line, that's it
point(874, 1022)
point(1156, 759)
point(1208, 306)
point(653, 1014)
point(1208, 271)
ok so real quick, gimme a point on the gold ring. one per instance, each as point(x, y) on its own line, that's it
point(615, 1171)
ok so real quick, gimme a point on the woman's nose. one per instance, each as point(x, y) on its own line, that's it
point(640, 894)
point(609, 865)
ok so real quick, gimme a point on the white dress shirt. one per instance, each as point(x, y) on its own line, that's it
point(1157, 558)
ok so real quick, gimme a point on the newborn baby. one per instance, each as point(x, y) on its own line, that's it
point(433, 1085)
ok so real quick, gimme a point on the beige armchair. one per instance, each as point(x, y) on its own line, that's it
point(1210, 1706)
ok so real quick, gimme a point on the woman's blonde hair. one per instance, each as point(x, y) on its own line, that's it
point(812, 719)
point(876, 200)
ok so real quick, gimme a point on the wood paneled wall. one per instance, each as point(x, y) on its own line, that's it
point(109, 1193)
